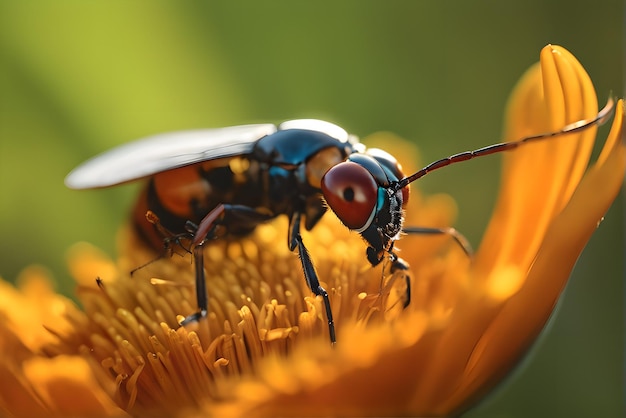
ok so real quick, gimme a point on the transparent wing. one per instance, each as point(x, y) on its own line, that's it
point(328, 128)
point(163, 152)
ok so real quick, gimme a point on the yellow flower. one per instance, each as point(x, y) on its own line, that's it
point(264, 349)
point(34, 383)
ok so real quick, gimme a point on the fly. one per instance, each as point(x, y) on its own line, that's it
point(206, 183)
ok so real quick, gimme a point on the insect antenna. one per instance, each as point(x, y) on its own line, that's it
point(580, 125)
point(161, 255)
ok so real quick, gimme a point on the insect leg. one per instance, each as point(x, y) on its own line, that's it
point(295, 240)
point(169, 238)
point(453, 233)
point(202, 296)
point(399, 264)
point(222, 214)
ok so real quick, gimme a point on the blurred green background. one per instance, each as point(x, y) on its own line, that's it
point(80, 77)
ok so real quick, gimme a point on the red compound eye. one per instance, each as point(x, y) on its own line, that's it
point(406, 192)
point(351, 192)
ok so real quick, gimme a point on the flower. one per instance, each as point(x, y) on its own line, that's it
point(33, 383)
point(264, 349)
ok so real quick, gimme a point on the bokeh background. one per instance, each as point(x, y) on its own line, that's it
point(80, 77)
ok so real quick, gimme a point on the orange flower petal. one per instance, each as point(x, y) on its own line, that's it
point(33, 306)
point(32, 383)
point(67, 386)
point(538, 178)
point(502, 344)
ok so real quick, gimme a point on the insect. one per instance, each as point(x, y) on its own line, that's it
point(206, 183)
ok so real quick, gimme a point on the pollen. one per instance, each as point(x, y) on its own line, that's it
point(259, 306)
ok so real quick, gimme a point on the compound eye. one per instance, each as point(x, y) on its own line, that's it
point(406, 192)
point(351, 192)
